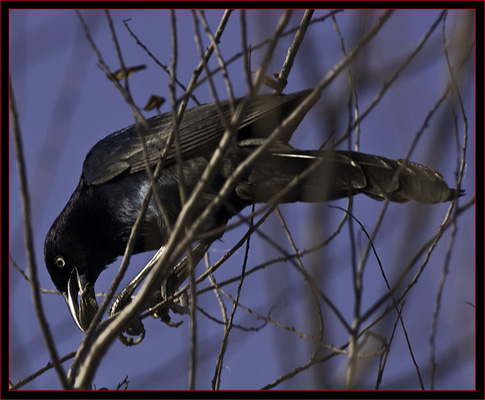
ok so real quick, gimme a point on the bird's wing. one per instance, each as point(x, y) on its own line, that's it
point(199, 132)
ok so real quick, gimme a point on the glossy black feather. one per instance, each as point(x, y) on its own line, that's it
point(94, 227)
point(199, 131)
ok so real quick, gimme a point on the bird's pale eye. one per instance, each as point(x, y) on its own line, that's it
point(60, 262)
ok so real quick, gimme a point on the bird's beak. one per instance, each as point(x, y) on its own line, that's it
point(82, 312)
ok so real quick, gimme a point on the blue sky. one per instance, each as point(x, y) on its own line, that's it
point(66, 105)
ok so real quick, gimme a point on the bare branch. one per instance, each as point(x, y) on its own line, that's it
point(29, 245)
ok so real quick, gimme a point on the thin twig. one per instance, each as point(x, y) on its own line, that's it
point(29, 243)
point(461, 158)
point(39, 372)
point(355, 328)
point(152, 56)
point(220, 59)
point(24, 275)
point(216, 380)
point(293, 50)
point(387, 84)
point(246, 53)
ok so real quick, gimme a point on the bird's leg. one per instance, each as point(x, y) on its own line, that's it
point(182, 269)
point(136, 327)
point(179, 274)
point(168, 287)
point(124, 298)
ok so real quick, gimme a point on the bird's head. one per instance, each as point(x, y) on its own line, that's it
point(73, 269)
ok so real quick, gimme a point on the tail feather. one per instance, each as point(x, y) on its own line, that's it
point(343, 173)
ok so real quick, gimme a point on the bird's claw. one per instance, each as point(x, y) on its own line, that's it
point(136, 327)
point(160, 306)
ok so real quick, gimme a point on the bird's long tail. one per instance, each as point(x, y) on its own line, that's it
point(329, 175)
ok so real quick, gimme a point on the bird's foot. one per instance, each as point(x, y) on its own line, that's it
point(162, 303)
point(136, 327)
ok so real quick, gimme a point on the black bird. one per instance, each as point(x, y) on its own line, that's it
point(94, 227)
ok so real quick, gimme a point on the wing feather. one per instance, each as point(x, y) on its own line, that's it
point(200, 130)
